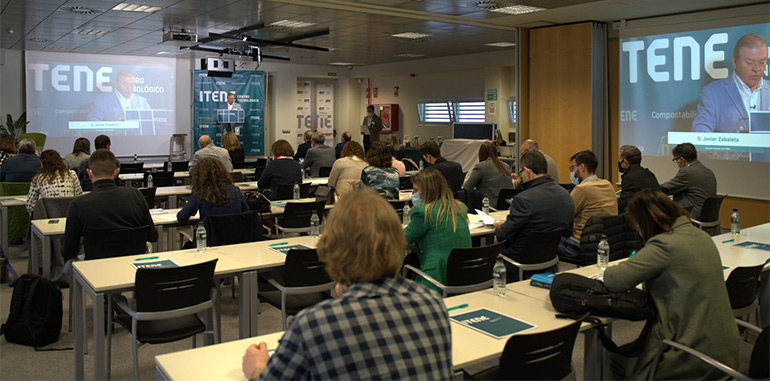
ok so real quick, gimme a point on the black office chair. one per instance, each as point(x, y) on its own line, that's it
point(410, 164)
point(539, 252)
point(177, 166)
point(132, 167)
point(536, 356)
point(468, 270)
point(99, 244)
point(621, 236)
point(149, 196)
point(505, 197)
point(742, 287)
point(324, 171)
point(569, 187)
point(405, 182)
point(229, 229)
point(258, 172)
point(296, 216)
point(237, 177)
point(167, 303)
point(301, 283)
point(397, 205)
point(708, 220)
point(262, 162)
point(159, 179)
point(286, 191)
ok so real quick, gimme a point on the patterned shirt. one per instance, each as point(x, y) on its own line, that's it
point(392, 329)
point(3, 156)
point(68, 186)
point(382, 180)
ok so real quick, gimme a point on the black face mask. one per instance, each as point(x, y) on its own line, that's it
point(620, 167)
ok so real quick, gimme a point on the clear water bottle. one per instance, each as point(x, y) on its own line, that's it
point(168, 166)
point(422, 166)
point(603, 253)
point(407, 217)
point(315, 225)
point(296, 192)
point(485, 205)
point(200, 238)
point(735, 223)
point(149, 181)
point(498, 276)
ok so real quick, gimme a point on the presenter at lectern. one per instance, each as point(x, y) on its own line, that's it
point(371, 127)
point(231, 106)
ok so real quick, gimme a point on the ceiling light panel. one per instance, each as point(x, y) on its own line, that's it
point(127, 7)
point(517, 9)
point(341, 63)
point(92, 32)
point(411, 35)
point(501, 44)
point(292, 24)
point(410, 55)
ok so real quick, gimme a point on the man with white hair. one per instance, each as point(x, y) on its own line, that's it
point(319, 156)
point(21, 168)
point(530, 145)
point(209, 149)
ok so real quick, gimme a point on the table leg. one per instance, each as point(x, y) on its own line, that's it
point(99, 350)
point(172, 201)
point(161, 245)
point(4, 228)
point(79, 327)
point(46, 257)
point(244, 314)
point(33, 247)
point(253, 296)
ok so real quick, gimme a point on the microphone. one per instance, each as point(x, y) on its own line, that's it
point(754, 107)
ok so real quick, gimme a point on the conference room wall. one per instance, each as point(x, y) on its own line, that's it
point(12, 94)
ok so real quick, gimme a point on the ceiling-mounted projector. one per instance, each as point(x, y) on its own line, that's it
point(180, 36)
point(218, 66)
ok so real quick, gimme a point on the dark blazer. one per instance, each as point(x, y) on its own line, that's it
point(691, 186)
point(635, 178)
point(453, 173)
point(108, 207)
point(338, 149)
point(20, 168)
point(279, 171)
point(302, 150)
point(237, 157)
point(235, 204)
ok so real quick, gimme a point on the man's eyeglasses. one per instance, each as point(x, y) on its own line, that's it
point(676, 158)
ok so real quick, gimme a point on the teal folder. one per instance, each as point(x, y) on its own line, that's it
point(285, 249)
point(754, 245)
point(164, 264)
point(492, 323)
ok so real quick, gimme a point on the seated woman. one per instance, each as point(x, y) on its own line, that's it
point(682, 270)
point(489, 175)
point(380, 174)
point(346, 171)
point(398, 153)
point(283, 169)
point(7, 147)
point(53, 180)
point(81, 150)
point(213, 192)
point(439, 224)
point(233, 146)
point(381, 326)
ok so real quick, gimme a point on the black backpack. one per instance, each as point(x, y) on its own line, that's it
point(258, 201)
point(36, 312)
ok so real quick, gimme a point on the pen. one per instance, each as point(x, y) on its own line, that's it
point(145, 259)
point(728, 241)
point(632, 254)
point(450, 309)
point(279, 244)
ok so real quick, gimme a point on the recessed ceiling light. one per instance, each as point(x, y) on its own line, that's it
point(39, 39)
point(501, 44)
point(136, 8)
point(92, 32)
point(517, 9)
point(334, 49)
point(342, 64)
point(291, 24)
point(410, 55)
point(412, 35)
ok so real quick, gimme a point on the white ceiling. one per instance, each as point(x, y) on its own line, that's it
point(360, 30)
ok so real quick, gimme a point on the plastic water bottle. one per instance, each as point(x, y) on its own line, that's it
point(315, 225)
point(200, 237)
point(603, 253)
point(149, 181)
point(485, 205)
point(407, 217)
point(168, 166)
point(422, 166)
point(296, 191)
point(735, 223)
point(498, 276)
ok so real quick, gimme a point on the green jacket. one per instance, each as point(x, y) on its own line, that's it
point(435, 240)
point(683, 273)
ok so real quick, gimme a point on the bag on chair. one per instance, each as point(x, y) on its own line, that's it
point(35, 318)
point(258, 202)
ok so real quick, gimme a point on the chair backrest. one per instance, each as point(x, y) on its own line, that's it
point(539, 356)
point(742, 285)
point(621, 236)
point(36, 137)
point(159, 179)
point(100, 244)
point(540, 247)
point(569, 187)
point(303, 269)
point(472, 265)
point(286, 191)
point(258, 172)
point(471, 198)
point(14, 189)
point(228, 229)
point(297, 214)
point(324, 171)
point(173, 288)
point(710, 210)
point(149, 196)
point(397, 205)
point(132, 167)
point(237, 177)
point(178, 166)
point(405, 182)
point(504, 198)
point(409, 164)
point(54, 207)
point(758, 367)
point(262, 162)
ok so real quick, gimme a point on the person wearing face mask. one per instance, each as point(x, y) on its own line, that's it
point(438, 225)
point(694, 182)
point(634, 177)
point(371, 127)
point(592, 197)
point(542, 206)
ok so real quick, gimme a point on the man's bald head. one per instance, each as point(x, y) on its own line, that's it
point(204, 141)
point(529, 145)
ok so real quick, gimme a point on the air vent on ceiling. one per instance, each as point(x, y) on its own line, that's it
point(278, 28)
point(486, 5)
point(81, 10)
point(39, 39)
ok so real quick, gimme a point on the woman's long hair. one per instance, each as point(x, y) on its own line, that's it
point(82, 145)
point(52, 167)
point(486, 151)
point(230, 141)
point(435, 192)
point(210, 181)
point(652, 213)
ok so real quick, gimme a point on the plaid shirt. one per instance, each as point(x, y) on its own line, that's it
point(392, 329)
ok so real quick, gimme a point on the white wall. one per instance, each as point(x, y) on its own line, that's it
point(11, 83)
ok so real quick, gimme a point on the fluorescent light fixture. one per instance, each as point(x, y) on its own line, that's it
point(291, 24)
point(501, 44)
point(136, 8)
point(334, 49)
point(412, 35)
point(517, 9)
point(410, 55)
point(92, 32)
point(342, 64)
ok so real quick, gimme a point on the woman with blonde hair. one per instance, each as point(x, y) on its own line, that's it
point(377, 315)
point(439, 224)
point(489, 175)
point(346, 171)
point(395, 142)
point(233, 146)
point(213, 192)
point(53, 180)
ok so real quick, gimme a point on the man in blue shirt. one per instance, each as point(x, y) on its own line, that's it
point(22, 167)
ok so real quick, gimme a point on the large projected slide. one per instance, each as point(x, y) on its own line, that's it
point(131, 99)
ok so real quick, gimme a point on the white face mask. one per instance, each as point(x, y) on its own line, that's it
point(370, 114)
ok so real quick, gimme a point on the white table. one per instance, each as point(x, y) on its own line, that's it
point(7, 204)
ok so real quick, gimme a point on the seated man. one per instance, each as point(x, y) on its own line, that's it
point(209, 149)
point(319, 156)
point(101, 142)
point(453, 172)
point(22, 167)
point(592, 197)
point(694, 182)
point(107, 208)
point(635, 177)
point(531, 145)
point(302, 148)
point(381, 326)
point(542, 206)
point(346, 137)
